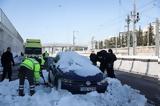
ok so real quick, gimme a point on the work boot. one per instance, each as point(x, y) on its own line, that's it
point(2, 79)
point(37, 84)
point(32, 92)
point(21, 93)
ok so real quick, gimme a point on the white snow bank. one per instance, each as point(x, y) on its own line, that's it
point(138, 57)
point(81, 65)
point(117, 95)
point(18, 59)
point(45, 74)
point(1, 68)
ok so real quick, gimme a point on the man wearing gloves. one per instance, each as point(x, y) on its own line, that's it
point(7, 61)
point(30, 69)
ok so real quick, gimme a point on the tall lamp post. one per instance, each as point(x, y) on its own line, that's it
point(135, 19)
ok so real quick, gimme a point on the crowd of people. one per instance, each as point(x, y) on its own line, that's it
point(106, 60)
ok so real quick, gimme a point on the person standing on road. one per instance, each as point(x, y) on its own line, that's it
point(7, 61)
point(29, 68)
point(103, 59)
point(110, 69)
point(93, 58)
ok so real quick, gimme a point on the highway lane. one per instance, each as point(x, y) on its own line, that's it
point(148, 86)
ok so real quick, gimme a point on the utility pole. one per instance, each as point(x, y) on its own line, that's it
point(92, 43)
point(120, 37)
point(128, 20)
point(157, 37)
point(147, 37)
point(135, 19)
point(116, 43)
point(74, 40)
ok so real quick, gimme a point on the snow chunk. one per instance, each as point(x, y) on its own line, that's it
point(116, 95)
point(81, 65)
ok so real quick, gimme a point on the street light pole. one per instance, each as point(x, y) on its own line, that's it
point(134, 27)
point(74, 40)
point(92, 43)
point(116, 44)
point(128, 33)
point(157, 37)
point(135, 19)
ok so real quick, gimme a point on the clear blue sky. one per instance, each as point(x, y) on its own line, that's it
point(55, 20)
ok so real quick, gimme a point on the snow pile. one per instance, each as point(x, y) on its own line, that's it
point(1, 68)
point(81, 65)
point(116, 95)
point(144, 57)
point(45, 74)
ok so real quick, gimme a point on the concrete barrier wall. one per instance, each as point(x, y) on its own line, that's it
point(154, 69)
point(144, 65)
point(9, 37)
point(117, 64)
point(148, 67)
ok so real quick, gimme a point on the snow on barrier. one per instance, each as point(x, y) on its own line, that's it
point(149, 66)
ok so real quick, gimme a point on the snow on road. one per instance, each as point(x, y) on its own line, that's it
point(116, 95)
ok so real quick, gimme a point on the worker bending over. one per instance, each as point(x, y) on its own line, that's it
point(30, 69)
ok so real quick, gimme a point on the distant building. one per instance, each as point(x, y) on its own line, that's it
point(53, 48)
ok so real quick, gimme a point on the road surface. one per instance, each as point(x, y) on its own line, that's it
point(150, 87)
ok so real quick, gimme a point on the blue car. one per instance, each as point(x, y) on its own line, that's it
point(75, 83)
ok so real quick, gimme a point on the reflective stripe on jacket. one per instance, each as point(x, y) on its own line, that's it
point(37, 72)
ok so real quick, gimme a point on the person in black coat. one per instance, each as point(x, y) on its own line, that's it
point(7, 61)
point(110, 69)
point(93, 58)
point(103, 59)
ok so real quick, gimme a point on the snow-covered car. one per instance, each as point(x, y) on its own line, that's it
point(76, 74)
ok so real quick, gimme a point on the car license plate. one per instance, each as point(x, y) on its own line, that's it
point(88, 89)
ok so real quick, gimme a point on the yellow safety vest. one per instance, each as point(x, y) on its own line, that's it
point(42, 61)
point(32, 64)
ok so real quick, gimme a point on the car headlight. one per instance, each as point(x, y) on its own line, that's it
point(88, 83)
point(102, 82)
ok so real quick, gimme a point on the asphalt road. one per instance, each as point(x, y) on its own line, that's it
point(148, 86)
